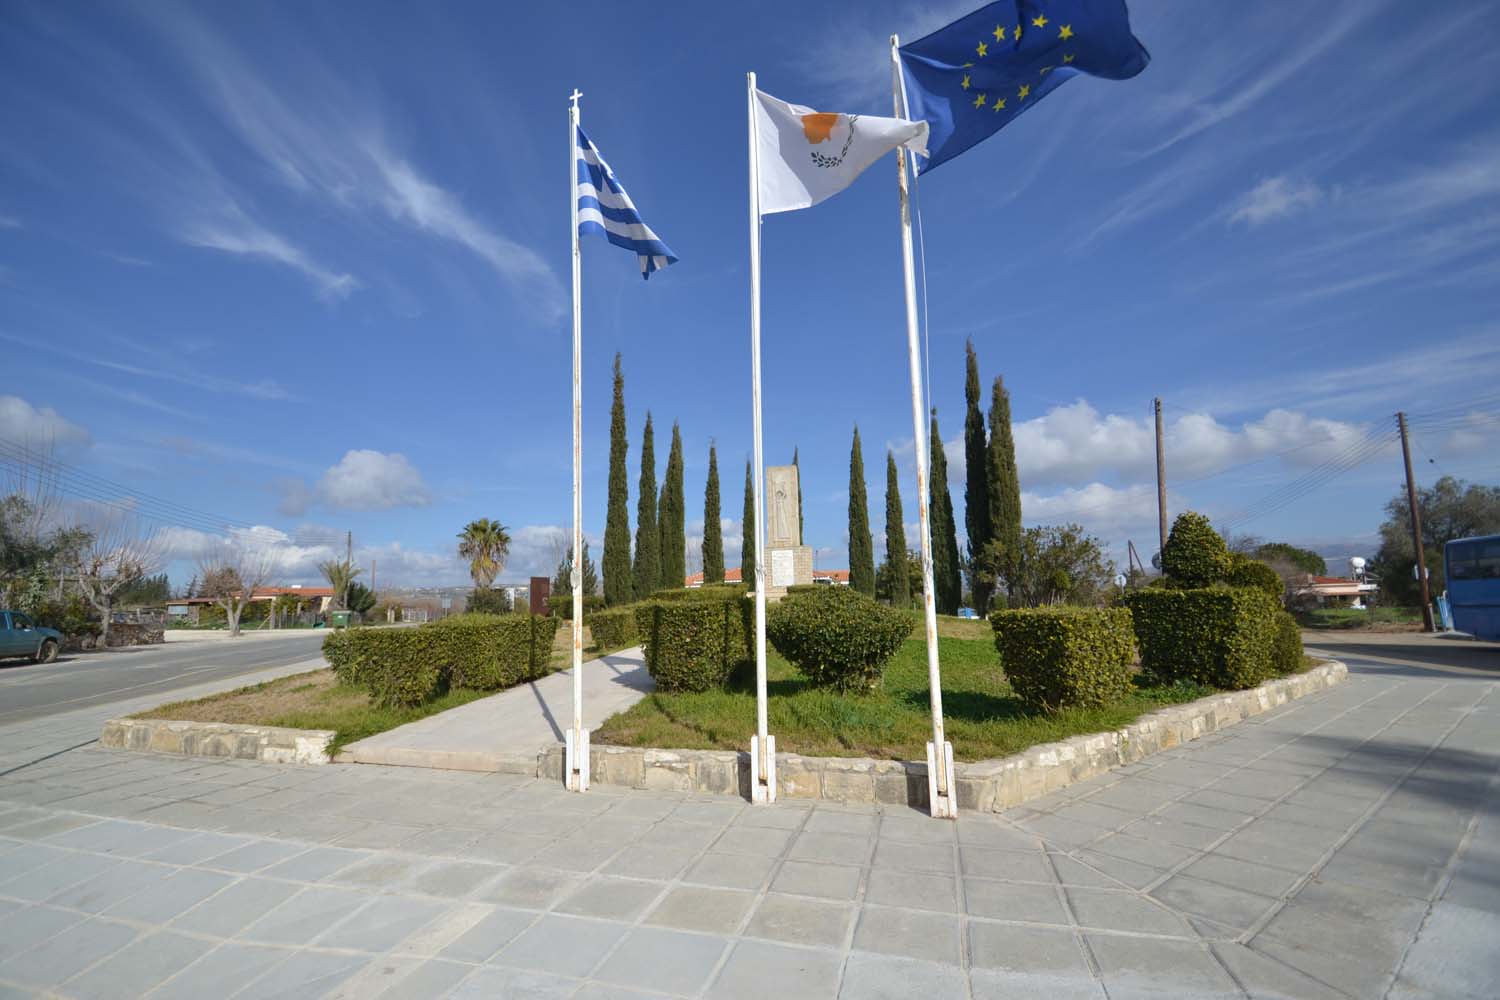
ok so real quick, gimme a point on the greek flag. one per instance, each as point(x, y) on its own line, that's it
point(606, 210)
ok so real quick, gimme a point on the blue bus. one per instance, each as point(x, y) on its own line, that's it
point(1471, 567)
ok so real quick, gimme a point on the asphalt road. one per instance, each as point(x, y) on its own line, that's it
point(82, 680)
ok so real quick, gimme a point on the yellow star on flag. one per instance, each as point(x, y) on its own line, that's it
point(979, 101)
point(999, 33)
point(1040, 21)
point(1066, 31)
point(1068, 57)
point(1025, 91)
point(983, 50)
point(1017, 33)
point(965, 84)
point(999, 104)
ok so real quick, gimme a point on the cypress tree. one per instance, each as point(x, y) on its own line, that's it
point(976, 488)
point(861, 549)
point(618, 585)
point(672, 519)
point(747, 532)
point(1005, 488)
point(799, 495)
point(713, 531)
point(647, 538)
point(947, 585)
point(895, 537)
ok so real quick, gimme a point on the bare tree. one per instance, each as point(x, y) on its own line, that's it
point(116, 552)
point(232, 572)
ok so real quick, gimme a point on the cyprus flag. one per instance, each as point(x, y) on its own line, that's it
point(805, 155)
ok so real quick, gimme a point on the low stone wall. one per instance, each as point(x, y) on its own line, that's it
point(217, 739)
point(985, 786)
point(120, 634)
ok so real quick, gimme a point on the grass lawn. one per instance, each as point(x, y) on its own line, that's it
point(317, 700)
point(1375, 619)
point(313, 700)
point(984, 719)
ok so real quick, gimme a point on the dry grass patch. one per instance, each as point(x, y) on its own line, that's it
point(313, 700)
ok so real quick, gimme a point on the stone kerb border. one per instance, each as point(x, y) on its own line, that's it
point(217, 739)
point(985, 786)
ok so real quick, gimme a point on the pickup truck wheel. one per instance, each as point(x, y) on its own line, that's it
point(48, 652)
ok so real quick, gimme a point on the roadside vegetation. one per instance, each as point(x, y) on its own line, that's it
point(1371, 620)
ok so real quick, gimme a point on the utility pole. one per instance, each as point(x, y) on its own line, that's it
point(1161, 479)
point(348, 566)
point(1416, 526)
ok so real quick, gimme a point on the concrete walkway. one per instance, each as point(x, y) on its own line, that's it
point(1345, 845)
point(505, 731)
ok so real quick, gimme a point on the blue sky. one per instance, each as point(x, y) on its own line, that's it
point(304, 268)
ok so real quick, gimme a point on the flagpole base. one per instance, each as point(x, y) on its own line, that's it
point(576, 761)
point(762, 786)
point(943, 806)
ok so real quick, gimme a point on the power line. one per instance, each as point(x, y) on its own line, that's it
point(74, 482)
point(1359, 453)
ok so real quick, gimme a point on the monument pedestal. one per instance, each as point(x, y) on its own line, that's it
point(790, 566)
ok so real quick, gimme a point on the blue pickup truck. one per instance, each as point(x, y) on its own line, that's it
point(20, 636)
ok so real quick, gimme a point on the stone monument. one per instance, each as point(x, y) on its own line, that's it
point(789, 561)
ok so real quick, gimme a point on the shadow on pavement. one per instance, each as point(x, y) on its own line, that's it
point(1423, 655)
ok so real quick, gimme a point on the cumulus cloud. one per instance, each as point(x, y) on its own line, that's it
point(38, 428)
point(1275, 198)
point(295, 557)
point(364, 479)
point(1076, 444)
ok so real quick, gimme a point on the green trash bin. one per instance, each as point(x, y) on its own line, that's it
point(340, 619)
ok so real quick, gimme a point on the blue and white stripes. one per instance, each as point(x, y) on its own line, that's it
point(605, 209)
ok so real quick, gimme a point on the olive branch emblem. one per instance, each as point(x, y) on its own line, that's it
point(833, 161)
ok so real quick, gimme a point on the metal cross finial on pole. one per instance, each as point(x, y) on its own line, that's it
point(576, 763)
point(941, 794)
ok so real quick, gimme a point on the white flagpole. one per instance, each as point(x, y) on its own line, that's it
point(577, 762)
point(762, 745)
point(941, 794)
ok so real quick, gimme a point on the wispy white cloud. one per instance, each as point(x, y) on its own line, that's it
point(164, 367)
point(232, 231)
point(334, 147)
point(1275, 198)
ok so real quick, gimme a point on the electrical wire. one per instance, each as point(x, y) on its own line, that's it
point(77, 484)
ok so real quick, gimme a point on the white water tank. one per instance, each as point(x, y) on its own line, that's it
point(1357, 567)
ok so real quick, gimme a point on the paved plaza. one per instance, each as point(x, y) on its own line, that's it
point(1345, 845)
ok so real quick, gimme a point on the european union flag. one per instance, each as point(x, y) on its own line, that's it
point(973, 77)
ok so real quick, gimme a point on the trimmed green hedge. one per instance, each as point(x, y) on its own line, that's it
point(1247, 572)
point(712, 592)
point(1286, 654)
point(1065, 657)
point(613, 629)
point(561, 605)
point(836, 636)
point(1220, 636)
point(1195, 554)
point(693, 644)
point(408, 666)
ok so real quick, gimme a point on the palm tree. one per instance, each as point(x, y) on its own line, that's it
point(485, 544)
point(340, 575)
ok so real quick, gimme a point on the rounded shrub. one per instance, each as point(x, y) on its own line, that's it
point(1247, 572)
point(1286, 647)
point(1065, 657)
point(836, 636)
point(1195, 555)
